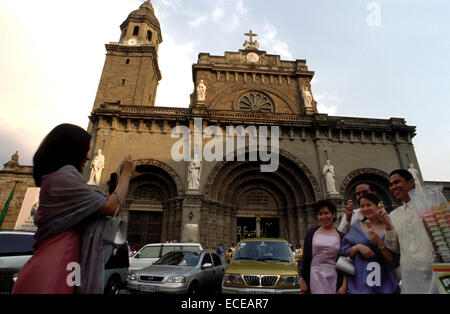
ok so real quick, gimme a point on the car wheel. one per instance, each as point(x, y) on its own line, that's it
point(113, 285)
point(194, 288)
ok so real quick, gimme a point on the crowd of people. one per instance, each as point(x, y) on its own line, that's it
point(385, 249)
point(72, 216)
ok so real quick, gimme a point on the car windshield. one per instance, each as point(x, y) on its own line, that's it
point(16, 244)
point(263, 251)
point(189, 259)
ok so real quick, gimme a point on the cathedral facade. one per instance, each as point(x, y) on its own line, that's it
point(195, 181)
point(248, 157)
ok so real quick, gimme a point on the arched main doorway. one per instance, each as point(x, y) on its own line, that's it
point(241, 201)
point(151, 204)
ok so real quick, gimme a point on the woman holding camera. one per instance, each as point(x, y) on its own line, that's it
point(70, 254)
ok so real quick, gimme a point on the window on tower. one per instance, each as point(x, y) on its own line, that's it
point(127, 61)
point(123, 81)
point(149, 35)
point(136, 31)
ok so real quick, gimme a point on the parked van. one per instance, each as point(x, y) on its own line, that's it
point(150, 253)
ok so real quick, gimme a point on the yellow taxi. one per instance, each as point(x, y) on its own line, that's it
point(262, 265)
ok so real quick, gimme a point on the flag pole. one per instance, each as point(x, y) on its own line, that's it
point(5, 208)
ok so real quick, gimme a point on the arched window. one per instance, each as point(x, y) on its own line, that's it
point(255, 102)
point(149, 35)
point(136, 31)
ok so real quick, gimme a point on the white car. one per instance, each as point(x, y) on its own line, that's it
point(180, 272)
point(150, 253)
point(16, 248)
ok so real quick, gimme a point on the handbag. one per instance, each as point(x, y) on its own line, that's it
point(345, 264)
point(115, 231)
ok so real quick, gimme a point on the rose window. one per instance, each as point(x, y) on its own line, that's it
point(255, 102)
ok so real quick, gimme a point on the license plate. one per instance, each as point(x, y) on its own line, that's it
point(147, 288)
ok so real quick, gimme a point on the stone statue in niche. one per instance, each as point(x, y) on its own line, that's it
point(307, 98)
point(330, 177)
point(201, 91)
point(97, 165)
point(415, 175)
point(194, 175)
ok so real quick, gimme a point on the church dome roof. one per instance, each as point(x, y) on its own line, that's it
point(145, 14)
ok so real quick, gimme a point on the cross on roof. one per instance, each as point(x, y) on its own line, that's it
point(250, 34)
point(251, 44)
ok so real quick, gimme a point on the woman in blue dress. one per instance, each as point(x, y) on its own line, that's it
point(364, 243)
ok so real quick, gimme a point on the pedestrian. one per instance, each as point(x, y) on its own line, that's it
point(321, 251)
point(352, 215)
point(364, 243)
point(233, 248)
point(229, 255)
point(406, 234)
point(220, 250)
point(299, 256)
point(70, 219)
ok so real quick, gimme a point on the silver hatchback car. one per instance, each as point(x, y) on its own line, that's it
point(181, 272)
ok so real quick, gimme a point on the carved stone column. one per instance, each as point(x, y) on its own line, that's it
point(340, 204)
point(284, 227)
point(204, 223)
point(233, 222)
point(302, 222)
point(310, 217)
point(165, 221)
point(178, 219)
point(227, 226)
point(220, 226)
point(171, 220)
point(212, 223)
point(293, 229)
point(190, 218)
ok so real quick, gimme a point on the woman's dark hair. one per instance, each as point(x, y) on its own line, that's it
point(371, 197)
point(66, 144)
point(325, 203)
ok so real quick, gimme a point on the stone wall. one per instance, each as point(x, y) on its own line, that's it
point(9, 176)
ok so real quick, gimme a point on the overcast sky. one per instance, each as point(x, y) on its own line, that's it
point(375, 59)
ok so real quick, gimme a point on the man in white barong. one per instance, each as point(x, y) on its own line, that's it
point(406, 234)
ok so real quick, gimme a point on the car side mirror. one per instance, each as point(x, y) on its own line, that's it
point(138, 255)
point(206, 265)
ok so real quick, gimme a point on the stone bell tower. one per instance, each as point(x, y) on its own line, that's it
point(131, 73)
